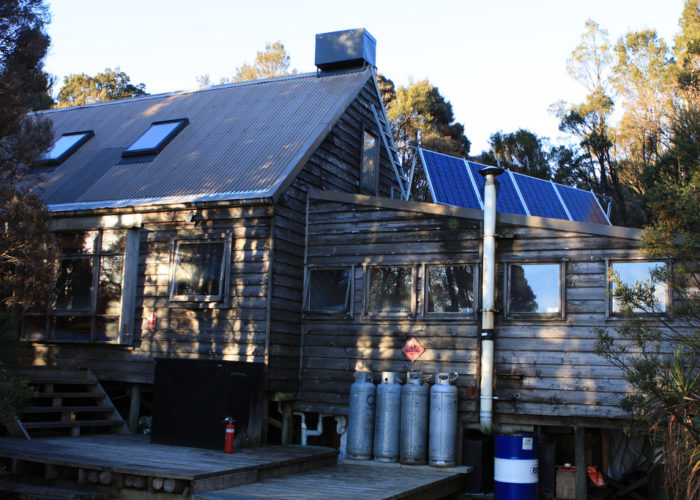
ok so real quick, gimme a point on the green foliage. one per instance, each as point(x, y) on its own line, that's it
point(15, 395)
point(26, 246)
point(421, 117)
point(521, 151)
point(273, 61)
point(110, 85)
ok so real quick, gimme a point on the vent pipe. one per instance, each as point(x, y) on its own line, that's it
point(488, 294)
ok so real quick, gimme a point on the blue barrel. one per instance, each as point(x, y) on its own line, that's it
point(515, 467)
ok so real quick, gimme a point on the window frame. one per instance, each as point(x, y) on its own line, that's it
point(57, 160)
point(130, 153)
point(561, 314)
point(377, 157)
point(129, 275)
point(389, 314)
point(610, 314)
point(349, 309)
point(224, 276)
point(475, 290)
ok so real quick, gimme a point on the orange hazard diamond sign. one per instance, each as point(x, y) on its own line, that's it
point(413, 349)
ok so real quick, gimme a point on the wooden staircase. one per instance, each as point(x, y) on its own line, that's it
point(67, 402)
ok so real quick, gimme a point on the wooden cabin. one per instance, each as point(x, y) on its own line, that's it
point(257, 222)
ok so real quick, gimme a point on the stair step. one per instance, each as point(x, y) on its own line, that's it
point(91, 394)
point(72, 423)
point(41, 379)
point(61, 409)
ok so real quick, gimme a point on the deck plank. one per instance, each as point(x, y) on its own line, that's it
point(130, 454)
point(351, 481)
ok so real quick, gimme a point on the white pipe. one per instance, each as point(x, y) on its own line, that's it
point(488, 293)
point(305, 432)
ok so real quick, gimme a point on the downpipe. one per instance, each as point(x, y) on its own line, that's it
point(488, 293)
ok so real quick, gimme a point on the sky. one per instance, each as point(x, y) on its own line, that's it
point(500, 63)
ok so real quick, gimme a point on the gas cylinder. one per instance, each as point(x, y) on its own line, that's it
point(442, 439)
point(387, 422)
point(361, 416)
point(414, 420)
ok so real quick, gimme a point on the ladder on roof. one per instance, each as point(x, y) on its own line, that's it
point(388, 141)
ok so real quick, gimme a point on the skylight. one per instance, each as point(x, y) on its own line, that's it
point(156, 137)
point(65, 146)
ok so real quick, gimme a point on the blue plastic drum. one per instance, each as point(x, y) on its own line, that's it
point(515, 467)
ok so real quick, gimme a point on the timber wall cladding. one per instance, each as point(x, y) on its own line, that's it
point(543, 366)
point(334, 347)
point(234, 332)
point(334, 166)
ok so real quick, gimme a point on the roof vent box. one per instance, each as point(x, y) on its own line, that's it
point(346, 49)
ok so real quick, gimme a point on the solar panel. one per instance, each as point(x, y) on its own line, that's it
point(540, 197)
point(455, 181)
point(507, 200)
point(582, 205)
point(449, 180)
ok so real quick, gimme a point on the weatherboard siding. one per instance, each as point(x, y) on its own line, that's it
point(334, 166)
point(233, 331)
point(545, 368)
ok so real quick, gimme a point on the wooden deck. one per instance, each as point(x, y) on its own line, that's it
point(132, 463)
point(131, 467)
point(352, 480)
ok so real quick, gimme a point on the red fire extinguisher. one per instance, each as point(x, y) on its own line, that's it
point(230, 435)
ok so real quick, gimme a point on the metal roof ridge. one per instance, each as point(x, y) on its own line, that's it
point(176, 93)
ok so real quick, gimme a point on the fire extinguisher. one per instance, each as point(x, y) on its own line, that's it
point(230, 435)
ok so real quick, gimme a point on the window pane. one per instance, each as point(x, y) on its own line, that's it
point(113, 241)
point(329, 290)
point(390, 289)
point(368, 175)
point(109, 292)
point(74, 284)
point(534, 288)
point(199, 269)
point(80, 242)
point(64, 144)
point(153, 137)
point(71, 327)
point(639, 272)
point(450, 289)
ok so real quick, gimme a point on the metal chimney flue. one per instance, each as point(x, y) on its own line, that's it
point(345, 50)
point(488, 293)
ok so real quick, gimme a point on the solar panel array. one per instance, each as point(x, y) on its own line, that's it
point(456, 181)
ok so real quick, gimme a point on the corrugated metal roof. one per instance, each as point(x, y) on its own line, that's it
point(243, 141)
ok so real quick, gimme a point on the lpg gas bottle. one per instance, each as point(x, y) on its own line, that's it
point(361, 417)
point(442, 438)
point(387, 422)
point(414, 420)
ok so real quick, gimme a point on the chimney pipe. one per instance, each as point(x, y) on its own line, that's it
point(488, 293)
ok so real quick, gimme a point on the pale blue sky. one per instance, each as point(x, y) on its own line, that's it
point(500, 63)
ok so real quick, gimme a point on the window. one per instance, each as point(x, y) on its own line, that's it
point(534, 289)
point(634, 273)
point(390, 290)
point(155, 138)
point(65, 146)
point(329, 290)
point(450, 289)
point(87, 300)
point(200, 271)
point(370, 161)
